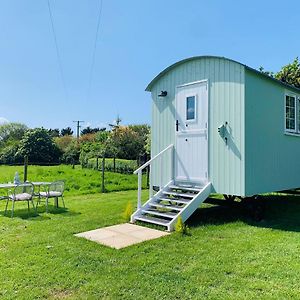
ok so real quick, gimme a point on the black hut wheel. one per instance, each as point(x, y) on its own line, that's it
point(255, 207)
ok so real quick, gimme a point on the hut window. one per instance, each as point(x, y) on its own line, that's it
point(190, 108)
point(298, 105)
point(290, 113)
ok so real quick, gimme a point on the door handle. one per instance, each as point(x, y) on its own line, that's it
point(177, 124)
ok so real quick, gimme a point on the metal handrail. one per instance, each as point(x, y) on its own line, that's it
point(140, 169)
point(152, 159)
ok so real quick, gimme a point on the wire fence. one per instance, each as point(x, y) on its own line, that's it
point(31, 164)
point(102, 165)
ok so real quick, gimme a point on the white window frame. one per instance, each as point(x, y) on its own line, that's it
point(298, 114)
point(295, 131)
point(196, 105)
point(295, 115)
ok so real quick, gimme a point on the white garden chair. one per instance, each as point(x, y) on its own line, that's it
point(54, 190)
point(21, 192)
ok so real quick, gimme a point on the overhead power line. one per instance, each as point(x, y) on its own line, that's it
point(57, 50)
point(95, 49)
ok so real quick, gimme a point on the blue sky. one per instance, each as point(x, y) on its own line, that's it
point(137, 39)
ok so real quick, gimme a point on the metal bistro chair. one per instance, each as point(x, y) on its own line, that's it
point(54, 190)
point(21, 192)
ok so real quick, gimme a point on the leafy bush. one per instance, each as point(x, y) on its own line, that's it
point(10, 136)
point(70, 149)
point(63, 142)
point(128, 212)
point(71, 154)
point(8, 155)
point(12, 132)
point(123, 142)
point(87, 138)
point(129, 141)
point(181, 228)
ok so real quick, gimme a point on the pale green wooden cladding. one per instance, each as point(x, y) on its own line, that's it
point(272, 156)
point(259, 157)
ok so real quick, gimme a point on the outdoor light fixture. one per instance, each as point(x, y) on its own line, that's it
point(163, 94)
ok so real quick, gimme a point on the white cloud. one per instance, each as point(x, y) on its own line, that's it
point(95, 125)
point(3, 121)
point(101, 125)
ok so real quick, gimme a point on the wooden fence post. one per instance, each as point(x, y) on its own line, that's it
point(25, 167)
point(97, 163)
point(103, 167)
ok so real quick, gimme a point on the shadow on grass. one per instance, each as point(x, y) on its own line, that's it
point(41, 214)
point(278, 211)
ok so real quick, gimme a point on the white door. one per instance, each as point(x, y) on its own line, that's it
point(191, 163)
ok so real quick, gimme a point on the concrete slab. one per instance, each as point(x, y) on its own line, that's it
point(122, 235)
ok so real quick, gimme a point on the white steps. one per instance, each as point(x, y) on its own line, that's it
point(176, 200)
point(152, 220)
point(176, 194)
point(166, 206)
point(154, 212)
point(185, 188)
point(171, 202)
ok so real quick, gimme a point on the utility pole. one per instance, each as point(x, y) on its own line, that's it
point(78, 127)
point(117, 123)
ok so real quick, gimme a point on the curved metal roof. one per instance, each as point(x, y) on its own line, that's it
point(166, 70)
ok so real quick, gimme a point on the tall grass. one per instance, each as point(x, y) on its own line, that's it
point(123, 166)
point(77, 180)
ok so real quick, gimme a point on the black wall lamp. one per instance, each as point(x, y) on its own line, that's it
point(163, 94)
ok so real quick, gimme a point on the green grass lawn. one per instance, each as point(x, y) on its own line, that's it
point(227, 256)
point(78, 180)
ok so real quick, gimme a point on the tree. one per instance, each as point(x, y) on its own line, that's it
point(66, 131)
point(143, 132)
point(290, 73)
point(89, 130)
point(87, 138)
point(54, 132)
point(71, 153)
point(63, 142)
point(127, 142)
point(95, 145)
point(10, 136)
point(12, 132)
point(8, 154)
point(141, 129)
point(69, 147)
point(268, 73)
point(147, 146)
point(102, 136)
point(39, 146)
point(91, 150)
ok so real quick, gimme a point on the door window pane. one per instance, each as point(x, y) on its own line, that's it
point(190, 108)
